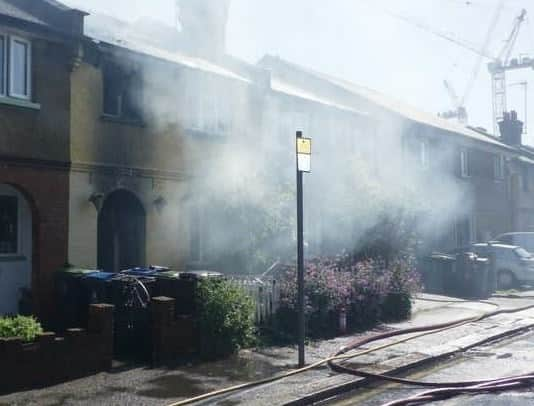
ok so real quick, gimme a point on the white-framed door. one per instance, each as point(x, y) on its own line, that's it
point(15, 248)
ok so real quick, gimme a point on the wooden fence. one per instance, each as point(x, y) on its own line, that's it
point(265, 294)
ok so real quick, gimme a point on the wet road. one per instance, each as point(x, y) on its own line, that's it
point(510, 357)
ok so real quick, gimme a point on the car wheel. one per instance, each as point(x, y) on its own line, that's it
point(506, 280)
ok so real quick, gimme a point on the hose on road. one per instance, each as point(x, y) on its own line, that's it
point(451, 387)
point(493, 386)
point(434, 328)
point(347, 352)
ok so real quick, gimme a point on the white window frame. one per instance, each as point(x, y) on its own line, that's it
point(498, 167)
point(12, 39)
point(464, 163)
point(4, 77)
point(423, 154)
point(472, 225)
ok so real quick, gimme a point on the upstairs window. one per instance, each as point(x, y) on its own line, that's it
point(15, 67)
point(464, 164)
point(210, 114)
point(423, 154)
point(121, 93)
point(498, 167)
point(525, 180)
point(3, 65)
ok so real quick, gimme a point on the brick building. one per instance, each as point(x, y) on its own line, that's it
point(38, 48)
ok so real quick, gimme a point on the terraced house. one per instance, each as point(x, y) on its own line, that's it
point(112, 136)
point(39, 42)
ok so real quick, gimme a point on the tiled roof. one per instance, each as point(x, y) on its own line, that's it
point(34, 11)
point(110, 30)
point(14, 9)
point(291, 90)
point(381, 100)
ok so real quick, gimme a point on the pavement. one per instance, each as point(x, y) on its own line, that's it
point(140, 385)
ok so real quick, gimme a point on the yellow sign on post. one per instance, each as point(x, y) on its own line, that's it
point(304, 149)
point(304, 146)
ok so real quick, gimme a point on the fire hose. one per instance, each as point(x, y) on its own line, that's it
point(347, 352)
point(435, 395)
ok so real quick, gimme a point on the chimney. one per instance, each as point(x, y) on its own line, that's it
point(203, 25)
point(511, 129)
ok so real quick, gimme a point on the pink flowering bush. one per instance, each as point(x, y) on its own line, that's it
point(368, 290)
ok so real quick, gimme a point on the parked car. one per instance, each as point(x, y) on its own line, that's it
point(523, 239)
point(514, 265)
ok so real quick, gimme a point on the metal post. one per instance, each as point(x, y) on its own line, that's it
point(300, 266)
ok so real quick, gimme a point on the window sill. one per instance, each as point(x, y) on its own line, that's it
point(12, 258)
point(205, 134)
point(11, 101)
point(122, 120)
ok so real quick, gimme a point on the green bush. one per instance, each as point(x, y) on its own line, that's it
point(226, 318)
point(24, 327)
point(396, 307)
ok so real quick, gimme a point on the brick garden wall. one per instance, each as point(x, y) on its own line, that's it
point(172, 337)
point(51, 359)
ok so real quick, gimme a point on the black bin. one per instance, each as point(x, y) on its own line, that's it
point(474, 278)
point(72, 299)
point(437, 272)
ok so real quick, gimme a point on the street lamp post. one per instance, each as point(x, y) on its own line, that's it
point(303, 165)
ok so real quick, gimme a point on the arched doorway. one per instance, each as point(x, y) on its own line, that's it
point(15, 248)
point(121, 232)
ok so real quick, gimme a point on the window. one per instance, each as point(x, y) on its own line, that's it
point(19, 68)
point(210, 114)
point(466, 231)
point(423, 154)
point(8, 225)
point(464, 164)
point(15, 67)
point(498, 167)
point(121, 93)
point(525, 178)
point(3, 66)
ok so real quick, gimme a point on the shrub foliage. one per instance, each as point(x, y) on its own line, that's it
point(368, 290)
point(226, 318)
point(23, 327)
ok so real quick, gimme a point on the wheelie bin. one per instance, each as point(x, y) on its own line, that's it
point(437, 273)
point(72, 299)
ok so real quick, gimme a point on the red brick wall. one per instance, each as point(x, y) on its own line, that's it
point(47, 191)
point(172, 337)
point(51, 359)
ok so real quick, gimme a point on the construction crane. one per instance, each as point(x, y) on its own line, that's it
point(498, 66)
point(460, 111)
point(503, 64)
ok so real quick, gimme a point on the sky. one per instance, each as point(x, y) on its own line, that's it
point(363, 42)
